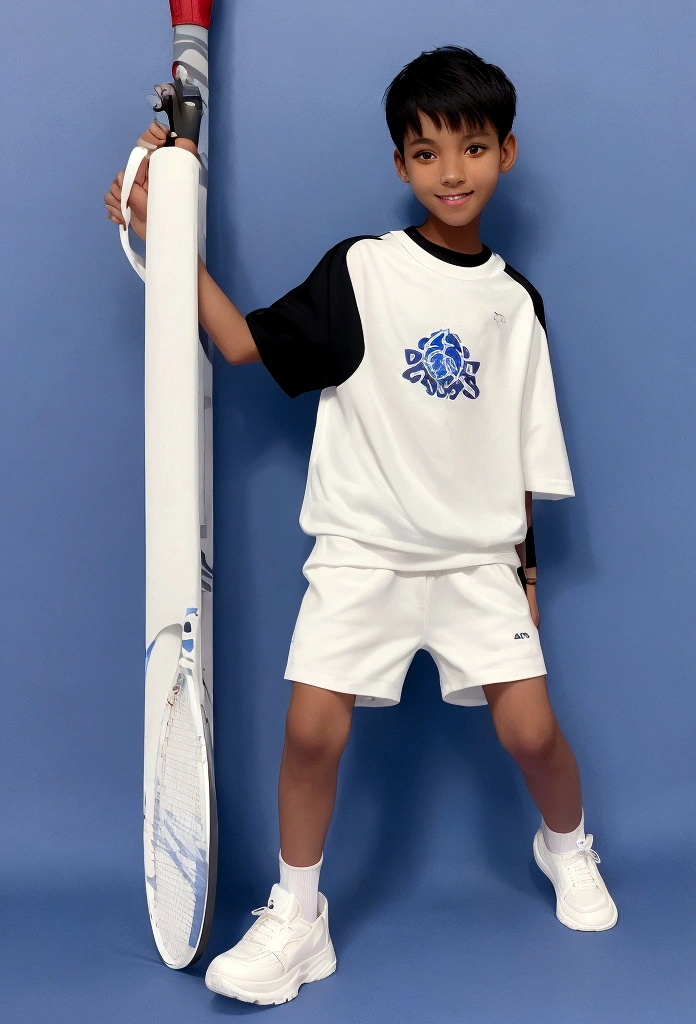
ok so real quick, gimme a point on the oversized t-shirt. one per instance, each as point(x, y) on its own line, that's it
point(437, 408)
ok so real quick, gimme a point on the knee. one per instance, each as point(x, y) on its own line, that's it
point(531, 744)
point(313, 743)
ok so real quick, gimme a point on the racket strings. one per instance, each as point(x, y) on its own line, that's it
point(179, 828)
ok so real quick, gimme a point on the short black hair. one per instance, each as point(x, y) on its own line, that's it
point(449, 84)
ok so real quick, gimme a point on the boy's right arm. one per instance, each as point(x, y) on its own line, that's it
point(220, 319)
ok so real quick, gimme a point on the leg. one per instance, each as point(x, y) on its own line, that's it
point(289, 944)
point(528, 729)
point(316, 732)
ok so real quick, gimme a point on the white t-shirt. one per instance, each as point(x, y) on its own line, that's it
point(437, 408)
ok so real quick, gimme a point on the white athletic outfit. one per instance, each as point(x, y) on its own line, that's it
point(437, 411)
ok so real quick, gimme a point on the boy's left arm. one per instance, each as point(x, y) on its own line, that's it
point(522, 553)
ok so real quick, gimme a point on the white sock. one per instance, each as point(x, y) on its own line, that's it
point(563, 842)
point(302, 883)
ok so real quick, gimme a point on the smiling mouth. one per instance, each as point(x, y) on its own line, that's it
point(455, 197)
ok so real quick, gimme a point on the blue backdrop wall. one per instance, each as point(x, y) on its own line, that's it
point(438, 912)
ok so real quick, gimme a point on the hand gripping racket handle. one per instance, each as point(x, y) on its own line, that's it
point(134, 162)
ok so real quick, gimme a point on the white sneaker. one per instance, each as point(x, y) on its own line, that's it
point(582, 899)
point(277, 954)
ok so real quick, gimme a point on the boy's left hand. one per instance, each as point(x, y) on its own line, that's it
point(533, 607)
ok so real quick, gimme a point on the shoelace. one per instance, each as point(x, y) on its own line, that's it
point(577, 862)
point(268, 921)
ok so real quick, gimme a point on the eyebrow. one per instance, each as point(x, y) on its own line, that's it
point(432, 142)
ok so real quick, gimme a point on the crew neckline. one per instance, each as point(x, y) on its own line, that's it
point(441, 252)
point(417, 251)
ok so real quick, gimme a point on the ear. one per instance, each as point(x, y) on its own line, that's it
point(401, 166)
point(508, 153)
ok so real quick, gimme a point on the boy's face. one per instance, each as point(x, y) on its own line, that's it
point(454, 174)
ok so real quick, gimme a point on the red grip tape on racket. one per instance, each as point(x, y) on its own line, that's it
point(191, 12)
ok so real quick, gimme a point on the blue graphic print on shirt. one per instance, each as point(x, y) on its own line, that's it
point(442, 365)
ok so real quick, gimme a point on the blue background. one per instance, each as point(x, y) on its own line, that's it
point(438, 912)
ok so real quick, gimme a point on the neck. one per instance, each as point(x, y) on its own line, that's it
point(461, 239)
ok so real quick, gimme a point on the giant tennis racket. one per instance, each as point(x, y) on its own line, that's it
point(180, 824)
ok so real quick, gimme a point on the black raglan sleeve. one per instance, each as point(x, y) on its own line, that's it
point(312, 338)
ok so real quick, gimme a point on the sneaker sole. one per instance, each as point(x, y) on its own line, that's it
point(569, 922)
point(282, 990)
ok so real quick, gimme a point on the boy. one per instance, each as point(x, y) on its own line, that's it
point(437, 424)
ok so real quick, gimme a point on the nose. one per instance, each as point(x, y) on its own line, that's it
point(451, 175)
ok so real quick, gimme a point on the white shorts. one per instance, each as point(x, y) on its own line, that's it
point(358, 629)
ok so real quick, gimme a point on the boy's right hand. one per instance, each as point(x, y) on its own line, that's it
point(152, 139)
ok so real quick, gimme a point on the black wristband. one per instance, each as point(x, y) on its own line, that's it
point(529, 549)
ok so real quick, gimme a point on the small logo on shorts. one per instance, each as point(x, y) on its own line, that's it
point(270, 904)
point(521, 636)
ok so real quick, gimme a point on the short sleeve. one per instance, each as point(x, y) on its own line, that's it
point(544, 457)
point(312, 337)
